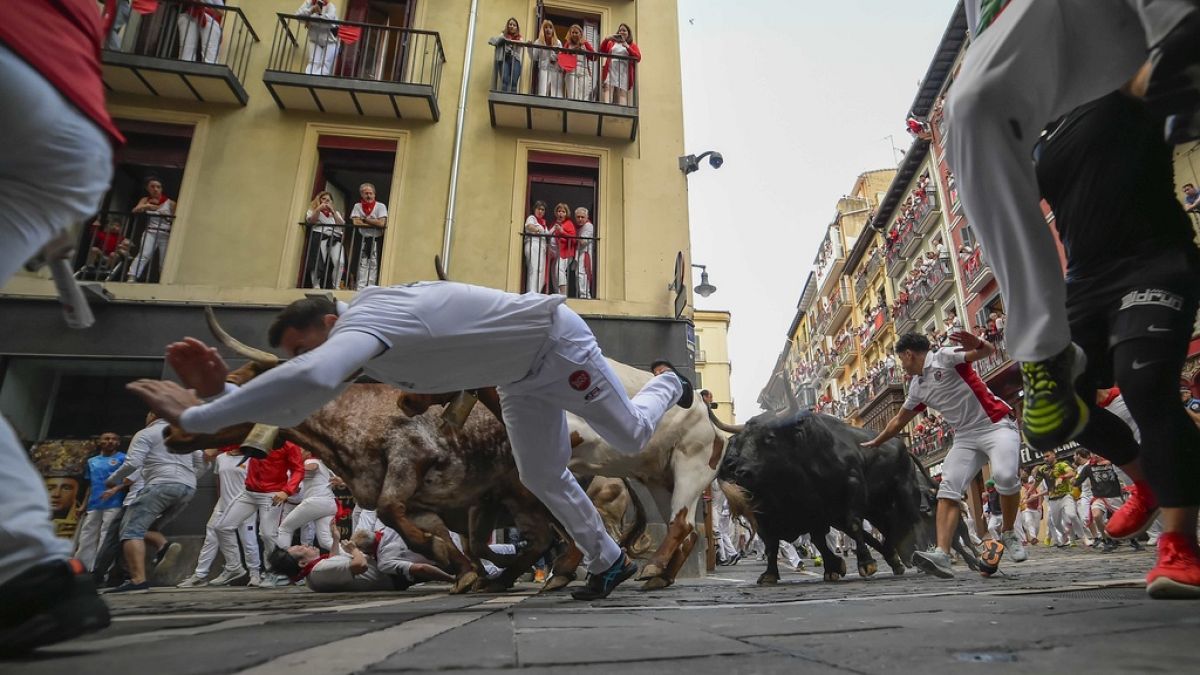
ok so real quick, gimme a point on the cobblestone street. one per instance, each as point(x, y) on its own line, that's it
point(1063, 610)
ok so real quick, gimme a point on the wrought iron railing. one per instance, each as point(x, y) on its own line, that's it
point(359, 51)
point(185, 30)
point(974, 268)
point(526, 68)
point(555, 264)
point(340, 257)
point(996, 361)
point(124, 246)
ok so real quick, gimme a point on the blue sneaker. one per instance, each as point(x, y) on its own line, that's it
point(600, 585)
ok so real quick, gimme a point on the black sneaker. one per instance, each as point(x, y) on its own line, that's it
point(129, 586)
point(1054, 414)
point(600, 585)
point(686, 398)
point(48, 603)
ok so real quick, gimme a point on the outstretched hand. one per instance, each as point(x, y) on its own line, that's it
point(199, 366)
point(168, 400)
point(966, 340)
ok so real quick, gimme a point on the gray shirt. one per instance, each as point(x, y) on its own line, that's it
point(148, 452)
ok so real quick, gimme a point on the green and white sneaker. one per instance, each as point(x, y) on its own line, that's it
point(1053, 413)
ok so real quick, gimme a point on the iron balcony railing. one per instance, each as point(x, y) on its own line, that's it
point(124, 246)
point(974, 268)
point(995, 362)
point(185, 30)
point(924, 208)
point(357, 51)
point(340, 257)
point(561, 73)
point(557, 264)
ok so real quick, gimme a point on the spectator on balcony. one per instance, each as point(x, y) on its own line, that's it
point(325, 237)
point(564, 238)
point(584, 253)
point(999, 319)
point(370, 217)
point(545, 56)
point(199, 29)
point(577, 68)
point(159, 213)
point(107, 247)
point(322, 36)
point(537, 248)
point(952, 323)
point(617, 74)
point(510, 53)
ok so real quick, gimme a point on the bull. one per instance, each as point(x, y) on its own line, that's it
point(805, 473)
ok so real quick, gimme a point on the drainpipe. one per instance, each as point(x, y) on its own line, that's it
point(458, 135)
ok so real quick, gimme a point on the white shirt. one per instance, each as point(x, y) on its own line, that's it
point(320, 33)
point(425, 337)
point(951, 386)
point(135, 486)
point(323, 219)
point(316, 480)
point(231, 476)
point(586, 234)
point(380, 211)
point(160, 225)
point(148, 452)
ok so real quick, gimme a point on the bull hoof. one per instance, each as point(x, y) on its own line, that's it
point(898, 570)
point(649, 571)
point(832, 576)
point(556, 582)
point(868, 569)
point(656, 584)
point(768, 579)
point(464, 583)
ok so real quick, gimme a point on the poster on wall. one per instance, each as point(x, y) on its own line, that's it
point(62, 465)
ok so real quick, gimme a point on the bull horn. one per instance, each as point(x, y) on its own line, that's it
point(258, 356)
point(727, 428)
point(459, 409)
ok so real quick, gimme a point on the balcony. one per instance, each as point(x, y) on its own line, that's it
point(873, 328)
point(543, 257)
point(530, 91)
point(874, 263)
point(701, 356)
point(860, 283)
point(921, 299)
point(910, 239)
point(940, 278)
point(926, 212)
point(846, 351)
point(834, 309)
point(340, 257)
point(976, 273)
point(351, 68)
point(831, 259)
point(182, 50)
point(905, 322)
point(997, 362)
point(895, 261)
point(124, 247)
point(885, 381)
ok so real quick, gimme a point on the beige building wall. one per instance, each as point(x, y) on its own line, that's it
point(712, 360)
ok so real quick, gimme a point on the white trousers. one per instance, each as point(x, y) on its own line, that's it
point(308, 531)
point(321, 58)
point(196, 41)
point(92, 530)
point(319, 512)
point(995, 522)
point(1065, 524)
point(55, 165)
point(998, 445)
point(583, 272)
point(535, 266)
point(227, 542)
point(329, 263)
point(368, 262)
point(153, 244)
point(725, 545)
point(788, 551)
point(572, 375)
point(1030, 522)
point(245, 506)
point(1039, 60)
point(550, 81)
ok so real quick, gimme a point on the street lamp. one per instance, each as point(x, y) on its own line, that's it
point(690, 163)
point(705, 289)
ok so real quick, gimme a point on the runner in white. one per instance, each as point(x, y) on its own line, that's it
point(439, 337)
point(318, 506)
point(230, 467)
point(984, 432)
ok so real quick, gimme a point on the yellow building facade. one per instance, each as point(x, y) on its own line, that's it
point(714, 370)
point(244, 124)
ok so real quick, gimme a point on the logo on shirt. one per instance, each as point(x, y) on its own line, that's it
point(579, 380)
point(937, 375)
point(592, 394)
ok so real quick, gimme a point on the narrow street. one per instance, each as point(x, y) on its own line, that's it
point(1062, 611)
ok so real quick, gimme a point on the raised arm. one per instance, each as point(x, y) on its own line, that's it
point(972, 347)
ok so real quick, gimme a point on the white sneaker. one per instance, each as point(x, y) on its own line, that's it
point(255, 579)
point(1016, 550)
point(226, 577)
point(935, 562)
point(193, 581)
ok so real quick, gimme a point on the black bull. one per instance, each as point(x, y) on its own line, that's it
point(807, 472)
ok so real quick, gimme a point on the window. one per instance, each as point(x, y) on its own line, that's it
point(120, 245)
point(566, 265)
point(337, 252)
point(995, 304)
point(381, 56)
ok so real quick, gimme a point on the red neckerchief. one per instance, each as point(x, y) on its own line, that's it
point(378, 540)
point(541, 221)
point(200, 12)
point(309, 568)
point(162, 199)
point(367, 207)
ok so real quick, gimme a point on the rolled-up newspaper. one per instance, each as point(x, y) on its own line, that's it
point(75, 307)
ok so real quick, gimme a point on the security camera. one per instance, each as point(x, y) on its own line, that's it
point(715, 160)
point(690, 163)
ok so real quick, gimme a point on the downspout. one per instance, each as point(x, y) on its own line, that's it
point(452, 197)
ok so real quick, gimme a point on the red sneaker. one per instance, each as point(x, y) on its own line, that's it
point(1177, 574)
point(1136, 516)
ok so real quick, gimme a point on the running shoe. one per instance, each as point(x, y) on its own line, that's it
point(1053, 414)
point(194, 581)
point(1136, 515)
point(130, 586)
point(167, 553)
point(227, 577)
point(255, 579)
point(686, 398)
point(600, 585)
point(1177, 574)
point(48, 603)
point(1013, 543)
point(934, 561)
point(989, 557)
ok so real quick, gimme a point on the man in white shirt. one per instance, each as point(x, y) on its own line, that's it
point(322, 38)
point(230, 468)
point(170, 483)
point(585, 257)
point(984, 432)
point(370, 217)
point(430, 337)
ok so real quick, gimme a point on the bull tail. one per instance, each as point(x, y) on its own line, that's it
point(632, 540)
point(739, 503)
